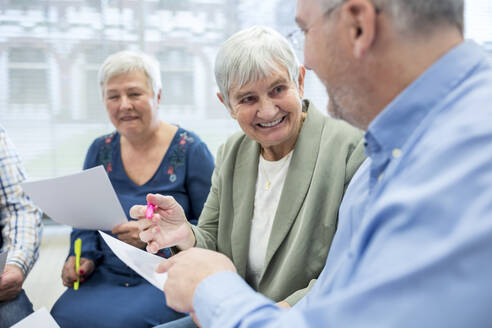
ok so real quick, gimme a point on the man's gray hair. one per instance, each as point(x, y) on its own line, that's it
point(252, 55)
point(413, 17)
point(130, 61)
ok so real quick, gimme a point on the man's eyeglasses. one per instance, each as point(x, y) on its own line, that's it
point(298, 36)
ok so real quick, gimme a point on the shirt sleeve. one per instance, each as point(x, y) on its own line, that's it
point(226, 300)
point(20, 218)
point(198, 178)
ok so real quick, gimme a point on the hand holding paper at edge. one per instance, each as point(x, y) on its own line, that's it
point(140, 261)
point(186, 270)
point(84, 200)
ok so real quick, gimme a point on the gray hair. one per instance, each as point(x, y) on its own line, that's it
point(251, 55)
point(130, 61)
point(416, 16)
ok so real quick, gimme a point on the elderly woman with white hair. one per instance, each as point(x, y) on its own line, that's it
point(277, 185)
point(144, 155)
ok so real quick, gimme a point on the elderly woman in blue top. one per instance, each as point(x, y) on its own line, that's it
point(144, 155)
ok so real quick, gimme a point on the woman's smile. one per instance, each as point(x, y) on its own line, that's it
point(272, 124)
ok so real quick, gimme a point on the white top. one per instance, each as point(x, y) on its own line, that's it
point(269, 185)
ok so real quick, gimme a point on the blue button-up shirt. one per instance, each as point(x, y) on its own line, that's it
point(414, 242)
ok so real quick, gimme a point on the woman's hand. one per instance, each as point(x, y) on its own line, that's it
point(168, 226)
point(69, 276)
point(129, 233)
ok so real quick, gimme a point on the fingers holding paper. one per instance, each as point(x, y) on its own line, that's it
point(129, 233)
point(186, 271)
point(69, 276)
point(167, 227)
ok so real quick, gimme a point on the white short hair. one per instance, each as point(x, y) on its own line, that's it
point(251, 55)
point(130, 61)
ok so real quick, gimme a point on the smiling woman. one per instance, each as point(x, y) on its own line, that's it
point(275, 193)
point(144, 155)
point(270, 111)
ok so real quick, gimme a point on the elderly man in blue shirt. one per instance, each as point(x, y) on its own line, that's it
point(414, 241)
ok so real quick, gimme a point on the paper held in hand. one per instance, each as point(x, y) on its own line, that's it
point(84, 200)
point(140, 261)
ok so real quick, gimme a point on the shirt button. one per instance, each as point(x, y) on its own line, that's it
point(397, 153)
point(380, 176)
point(127, 284)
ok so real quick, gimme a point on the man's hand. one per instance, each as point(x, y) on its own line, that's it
point(69, 276)
point(129, 233)
point(186, 271)
point(168, 226)
point(11, 281)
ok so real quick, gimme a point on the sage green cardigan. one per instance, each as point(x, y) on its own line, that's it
point(326, 155)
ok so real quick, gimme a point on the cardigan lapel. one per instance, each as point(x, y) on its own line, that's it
point(297, 181)
point(244, 188)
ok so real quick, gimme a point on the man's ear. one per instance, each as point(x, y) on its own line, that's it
point(360, 16)
point(221, 98)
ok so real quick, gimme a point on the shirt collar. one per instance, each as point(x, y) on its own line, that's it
point(391, 128)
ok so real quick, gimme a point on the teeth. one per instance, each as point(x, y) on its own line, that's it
point(267, 125)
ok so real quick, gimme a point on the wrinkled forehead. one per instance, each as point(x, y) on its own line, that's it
point(257, 75)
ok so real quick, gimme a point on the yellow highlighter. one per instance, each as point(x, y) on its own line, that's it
point(78, 250)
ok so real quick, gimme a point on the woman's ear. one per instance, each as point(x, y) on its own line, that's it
point(221, 98)
point(300, 80)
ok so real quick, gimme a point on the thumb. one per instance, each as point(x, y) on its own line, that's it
point(163, 202)
point(165, 266)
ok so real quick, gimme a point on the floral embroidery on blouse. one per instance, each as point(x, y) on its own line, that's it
point(177, 156)
point(105, 154)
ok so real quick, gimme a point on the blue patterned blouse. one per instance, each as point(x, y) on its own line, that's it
point(184, 173)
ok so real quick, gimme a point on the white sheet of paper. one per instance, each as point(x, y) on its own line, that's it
point(140, 261)
point(39, 319)
point(84, 200)
point(3, 260)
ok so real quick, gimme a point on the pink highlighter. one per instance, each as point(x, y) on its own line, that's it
point(150, 210)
